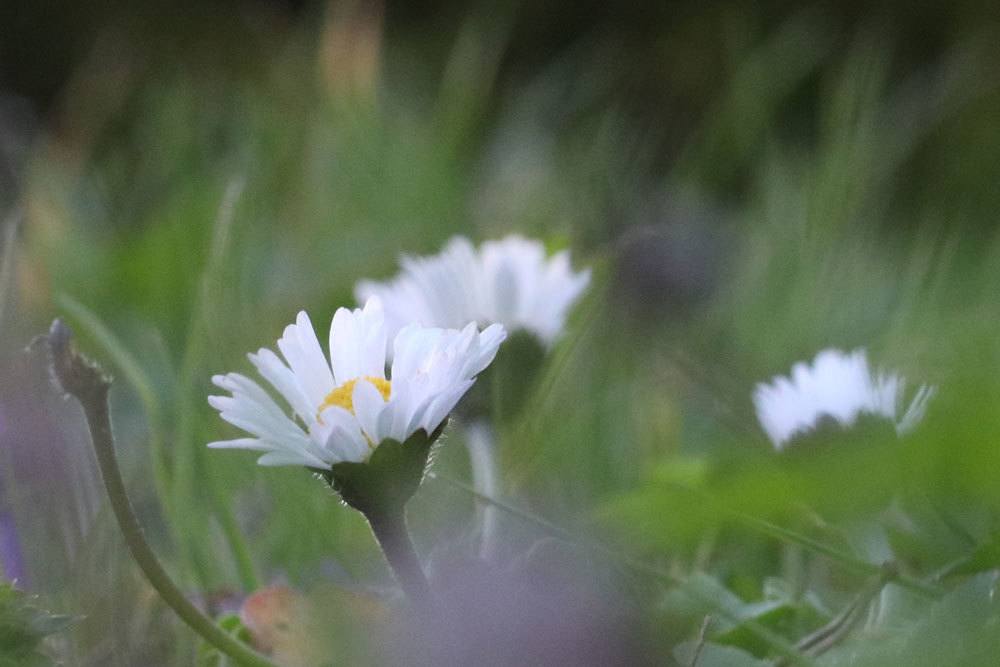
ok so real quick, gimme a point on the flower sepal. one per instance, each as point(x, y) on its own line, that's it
point(388, 479)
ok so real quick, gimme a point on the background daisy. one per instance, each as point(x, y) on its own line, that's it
point(511, 281)
point(838, 385)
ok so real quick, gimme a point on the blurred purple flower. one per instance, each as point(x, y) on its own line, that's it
point(546, 612)
point(11, 558)
point(48, 486)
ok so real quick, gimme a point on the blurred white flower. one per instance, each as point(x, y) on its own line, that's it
point(839, 385)
point(343, 408)
point(510, 281)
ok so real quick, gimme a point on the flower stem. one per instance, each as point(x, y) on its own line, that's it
point(389, 527)
point(482, 458)
point(89, 385)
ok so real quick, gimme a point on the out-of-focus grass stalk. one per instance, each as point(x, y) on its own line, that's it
point(245, 568)
point(470, 75)
point(190, 464)
point(529, 427)
point(481, 444)
point(828, 636)
point(11, 226)
point(7, 261)
point(744, 115)
point(782, 646)
point(90, 386)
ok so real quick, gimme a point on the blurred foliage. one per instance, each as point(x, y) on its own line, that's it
point(750, 182)
point(23, 627)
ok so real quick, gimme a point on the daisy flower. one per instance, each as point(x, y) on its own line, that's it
point(343, 407)
point(511, 281)
point(838, 385)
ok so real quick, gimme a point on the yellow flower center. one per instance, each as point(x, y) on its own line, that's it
point(343, 396)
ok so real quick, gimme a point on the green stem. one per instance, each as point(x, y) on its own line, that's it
point(88, 384)
point(393, 537)
point(482, 459)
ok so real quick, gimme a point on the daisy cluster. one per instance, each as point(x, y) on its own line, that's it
point(403, 362)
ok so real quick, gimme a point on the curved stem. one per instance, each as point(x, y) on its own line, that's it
point(392, 535)
point(125, 363)
point(88, 384)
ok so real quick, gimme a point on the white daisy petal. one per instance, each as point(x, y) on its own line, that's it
point(442, 405)
point(251, 416)
point(411, 349)
point(283, 380)
point(301, 350)
point(290, 459)
point(345, 442)
point(417, 419)
point(368, 406)
point(343, 342)
point(242, 443)
point(373, 341)
point(386, 419)
point(487, 346)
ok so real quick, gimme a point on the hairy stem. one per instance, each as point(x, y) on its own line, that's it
point(393, 537)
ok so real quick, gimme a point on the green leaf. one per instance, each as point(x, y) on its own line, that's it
point(986, 556)
point(704, 596)
point(209, 656)
point(963, 628)
point(23, 626)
